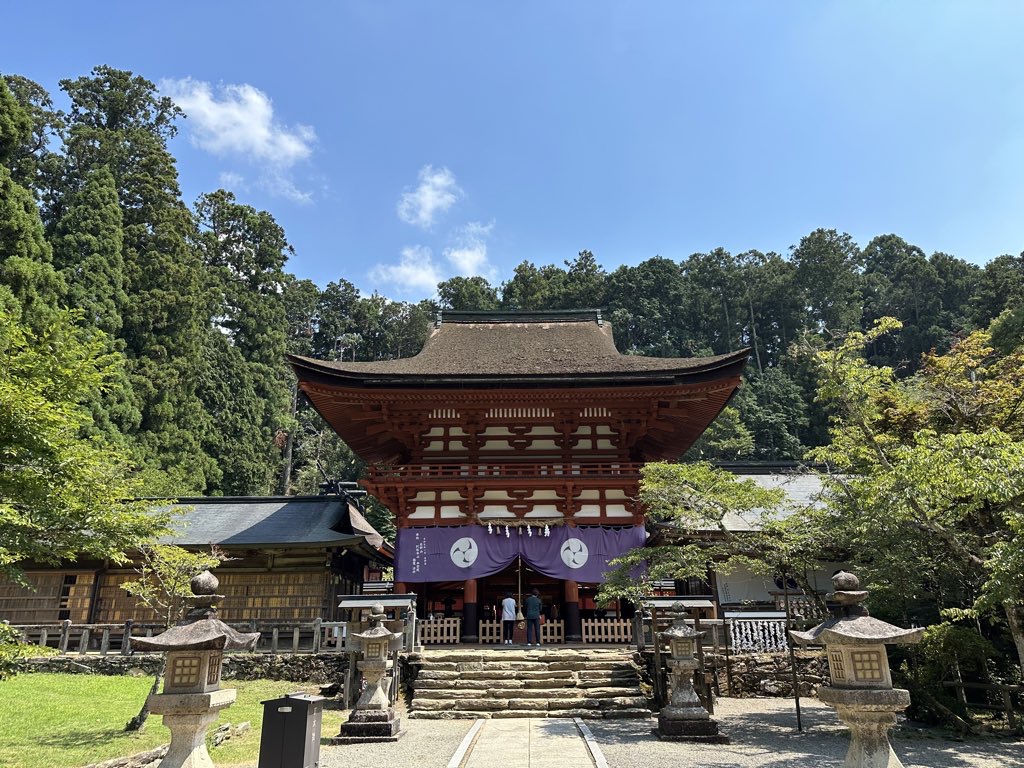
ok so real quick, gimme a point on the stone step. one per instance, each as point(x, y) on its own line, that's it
point(532, 693)
point(586, 714)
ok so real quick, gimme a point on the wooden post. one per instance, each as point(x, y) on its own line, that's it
point(295, 640)
point(105, 642)
point(273, 639)
point(44, 635)
point(727, 637)
point(317, 630)
point(709, 703)
point(659, 689)
point(470, 612)
point(792, 653)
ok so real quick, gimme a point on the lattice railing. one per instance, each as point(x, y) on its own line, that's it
point(486, 469)
point(607, 631)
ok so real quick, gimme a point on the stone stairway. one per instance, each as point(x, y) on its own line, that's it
point(558, 682)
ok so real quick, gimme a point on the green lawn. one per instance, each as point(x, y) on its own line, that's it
point(67, 721)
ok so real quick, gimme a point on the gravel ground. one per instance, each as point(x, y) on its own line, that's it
point(763, 734)
point(425, 744)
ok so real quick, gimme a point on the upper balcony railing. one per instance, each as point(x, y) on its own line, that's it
point(425, 471)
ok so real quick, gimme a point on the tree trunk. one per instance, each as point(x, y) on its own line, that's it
point(138, 722)
point(1015, 618)
point(286, 471)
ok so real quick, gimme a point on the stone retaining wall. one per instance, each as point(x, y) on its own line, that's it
point(320, 668)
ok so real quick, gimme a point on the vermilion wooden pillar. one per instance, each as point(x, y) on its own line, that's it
point(401, 588)
point(573, 628)
point(470, 612)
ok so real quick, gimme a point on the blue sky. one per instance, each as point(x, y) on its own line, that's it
point(403, 142)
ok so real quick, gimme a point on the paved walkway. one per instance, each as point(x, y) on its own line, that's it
point(520, 743)
point(762, 732)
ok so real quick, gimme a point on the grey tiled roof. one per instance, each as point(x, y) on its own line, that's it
point(803, 488)
point(256, 521)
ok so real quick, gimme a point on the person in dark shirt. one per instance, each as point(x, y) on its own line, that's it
point(533, 607)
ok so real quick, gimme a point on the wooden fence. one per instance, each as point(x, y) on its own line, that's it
point(607, 631)
point(489, 632)
point(440, 631)
point(1004, 694)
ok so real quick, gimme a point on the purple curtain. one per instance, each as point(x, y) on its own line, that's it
point(455, 553)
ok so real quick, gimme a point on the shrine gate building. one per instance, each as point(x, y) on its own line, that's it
point(509, 450)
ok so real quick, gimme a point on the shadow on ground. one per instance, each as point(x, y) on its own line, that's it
point(766, 736)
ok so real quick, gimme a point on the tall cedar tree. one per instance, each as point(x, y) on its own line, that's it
point(246, 387)
point(29, 285)
point(118, 121)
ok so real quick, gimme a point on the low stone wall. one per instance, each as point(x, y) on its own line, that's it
point(770, 674)
point(322, 668)
point(759, 674)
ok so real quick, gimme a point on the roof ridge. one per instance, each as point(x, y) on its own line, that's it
point(516, 316)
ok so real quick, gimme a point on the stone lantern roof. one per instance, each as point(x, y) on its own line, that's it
point(680, 629)
point(201, 630)
point(854, 626)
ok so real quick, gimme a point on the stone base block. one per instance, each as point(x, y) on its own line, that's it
point(368, 726)
point(705, 731)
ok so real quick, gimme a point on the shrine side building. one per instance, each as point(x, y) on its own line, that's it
point(509, 450)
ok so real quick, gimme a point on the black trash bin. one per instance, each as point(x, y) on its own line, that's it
point(291, 731)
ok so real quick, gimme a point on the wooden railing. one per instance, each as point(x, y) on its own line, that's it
point(295, 637)
point(607, 631)
point(485, 469)
point(440, 631)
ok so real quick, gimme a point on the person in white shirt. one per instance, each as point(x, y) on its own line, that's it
point(508, 617)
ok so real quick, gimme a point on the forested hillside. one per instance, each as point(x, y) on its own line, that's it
point(198, 308)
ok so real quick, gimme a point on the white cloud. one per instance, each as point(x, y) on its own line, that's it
point(436, 193)
point(238, 120)
point(469, 254)
point(416, 271)
point(232, 180)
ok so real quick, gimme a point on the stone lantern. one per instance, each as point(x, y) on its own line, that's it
point(192, 697)
point(861, 692)
point(373, 718)
point(684, 719)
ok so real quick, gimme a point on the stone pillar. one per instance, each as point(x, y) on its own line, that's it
point(870, 714)
point(573, 627)
point(470, 612)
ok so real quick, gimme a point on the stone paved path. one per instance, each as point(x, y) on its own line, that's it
point(534, 743)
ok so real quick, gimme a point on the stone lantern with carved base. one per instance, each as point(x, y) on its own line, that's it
point(192, 697)
point(373, 718)
point(861, 692)
point(684, 719)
